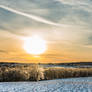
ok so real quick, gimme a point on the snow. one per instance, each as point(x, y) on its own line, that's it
point(59, 85)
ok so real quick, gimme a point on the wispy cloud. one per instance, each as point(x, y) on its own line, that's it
point(3, 51)
point(36, 18)
point(74, 2)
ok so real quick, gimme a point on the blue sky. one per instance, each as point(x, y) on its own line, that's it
point(65, 24)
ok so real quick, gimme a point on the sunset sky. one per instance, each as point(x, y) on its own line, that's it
point(65, 26)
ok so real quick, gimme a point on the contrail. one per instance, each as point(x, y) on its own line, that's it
point(36, 18)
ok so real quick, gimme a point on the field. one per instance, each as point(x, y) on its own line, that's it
point(59, 85)
point(45, 78)
point(36, 72)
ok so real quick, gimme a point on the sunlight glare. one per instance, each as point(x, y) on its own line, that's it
point(35, 45)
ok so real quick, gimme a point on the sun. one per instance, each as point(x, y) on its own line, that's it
point(35, 45)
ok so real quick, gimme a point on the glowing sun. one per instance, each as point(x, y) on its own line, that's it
point(35, 45)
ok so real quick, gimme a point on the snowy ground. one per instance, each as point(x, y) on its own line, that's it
point(60, 85)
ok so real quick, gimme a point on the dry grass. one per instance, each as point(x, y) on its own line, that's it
point(55, 73)
point(35, 73)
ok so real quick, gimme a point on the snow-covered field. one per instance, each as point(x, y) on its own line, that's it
point(60, 85)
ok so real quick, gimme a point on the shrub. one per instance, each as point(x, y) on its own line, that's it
point(55, 73)
point(36, 73)
point(1, 77)
point(15, 75)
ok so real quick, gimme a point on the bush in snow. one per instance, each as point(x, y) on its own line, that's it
point(36, 73)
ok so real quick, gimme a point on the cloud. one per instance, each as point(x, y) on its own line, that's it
point(74, 2)
point(36, 18)
point(88, 41)
point(3, 51)
point(88, 46)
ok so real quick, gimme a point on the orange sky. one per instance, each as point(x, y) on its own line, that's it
point(65, 26)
